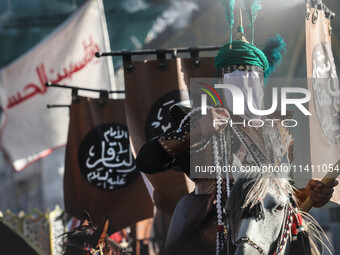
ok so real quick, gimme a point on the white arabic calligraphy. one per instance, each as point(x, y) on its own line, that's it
point(111, 161)
point(111, 155)
point(157, 123)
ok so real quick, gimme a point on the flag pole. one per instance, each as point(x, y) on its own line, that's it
point(329, 177)
point(107, 44)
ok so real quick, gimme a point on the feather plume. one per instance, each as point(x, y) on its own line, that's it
point(229, 6)
point(274, 48)
point(252, 8)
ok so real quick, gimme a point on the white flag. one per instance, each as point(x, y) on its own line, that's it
point(30, 131)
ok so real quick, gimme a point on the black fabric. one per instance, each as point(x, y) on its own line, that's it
point(229, 247)
point(152, 159)
point(193, 246)
point(12, 243)
point(301, 246)
point(177, 113)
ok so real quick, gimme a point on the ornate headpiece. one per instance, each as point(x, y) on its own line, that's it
point(240, 51)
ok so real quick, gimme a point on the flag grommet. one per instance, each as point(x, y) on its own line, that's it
point(315, 16)
point(308, 12)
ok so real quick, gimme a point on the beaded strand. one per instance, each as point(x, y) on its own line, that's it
point(224, 154)
point(220, 225)
point(218, 156)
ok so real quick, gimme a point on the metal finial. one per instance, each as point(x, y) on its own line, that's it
point(240, 19)
point(240, 32)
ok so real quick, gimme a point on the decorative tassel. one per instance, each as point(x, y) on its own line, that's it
point(252, 8)
point(229, 6)
point(273, 49)
point(300, 244)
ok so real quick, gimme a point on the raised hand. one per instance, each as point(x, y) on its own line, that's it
point(320, 193)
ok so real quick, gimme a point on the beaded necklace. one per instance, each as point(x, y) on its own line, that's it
point(220, 157)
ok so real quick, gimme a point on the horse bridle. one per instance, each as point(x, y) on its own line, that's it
point(251, 243)
point(88, 250)
point(283, 235)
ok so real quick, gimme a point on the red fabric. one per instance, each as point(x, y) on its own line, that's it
point(117, 237)
point(297, 224)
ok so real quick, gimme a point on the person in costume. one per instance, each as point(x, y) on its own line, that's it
point(193, 226)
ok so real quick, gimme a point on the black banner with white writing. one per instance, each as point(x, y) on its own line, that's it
point(100, 172)
point(152, 87)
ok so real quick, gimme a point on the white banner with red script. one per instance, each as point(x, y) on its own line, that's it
point(30, 131)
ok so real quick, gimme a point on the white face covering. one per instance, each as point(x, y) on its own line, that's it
point(244, 80)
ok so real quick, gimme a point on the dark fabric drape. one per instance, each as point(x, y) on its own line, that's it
point(100, 174)
point(12, 243)
point(150, 92)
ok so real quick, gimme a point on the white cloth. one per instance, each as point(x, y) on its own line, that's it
point(244, 80)
point(29, 130)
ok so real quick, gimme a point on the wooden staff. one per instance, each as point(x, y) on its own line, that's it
point(330, 176)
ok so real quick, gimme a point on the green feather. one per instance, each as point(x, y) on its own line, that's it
point(252, 8)
point(229, 6)
point(274, 49)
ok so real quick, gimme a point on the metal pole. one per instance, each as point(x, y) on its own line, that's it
point(155, 51)
point(49, 84)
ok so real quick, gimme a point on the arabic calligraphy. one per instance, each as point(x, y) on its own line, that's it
point(326, 92)
point(160, 114)
point(158, 121)
point(105, 157)
point(32, 89)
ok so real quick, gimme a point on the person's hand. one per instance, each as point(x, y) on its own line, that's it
point(319, 192)
point(206, 123)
